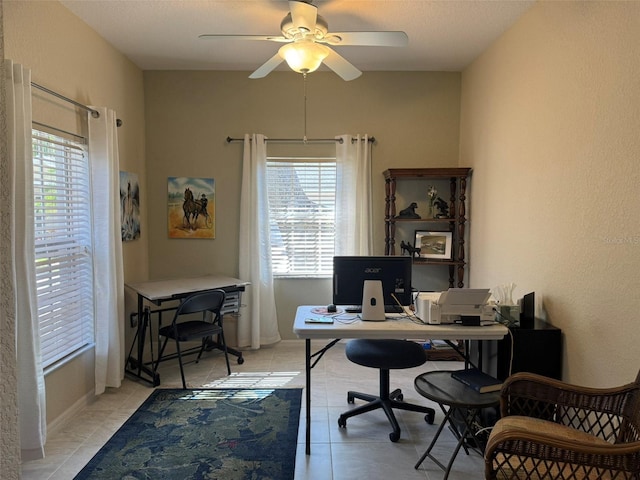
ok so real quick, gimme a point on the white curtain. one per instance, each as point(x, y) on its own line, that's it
point(31, 388)
point(261, 326)
point(354, 235)
point(107, 266)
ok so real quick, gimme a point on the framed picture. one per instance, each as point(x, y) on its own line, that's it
point(434, 244)
point(129, 206)
point(191, 207)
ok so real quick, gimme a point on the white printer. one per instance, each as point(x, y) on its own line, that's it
point(454, 304)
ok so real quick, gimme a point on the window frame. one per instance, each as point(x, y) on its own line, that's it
point(323, 260)
point(63, 244)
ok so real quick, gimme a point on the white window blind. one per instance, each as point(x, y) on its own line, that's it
point(302, 215)
point(63, 248)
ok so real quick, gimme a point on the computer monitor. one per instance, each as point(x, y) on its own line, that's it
point(349, 274)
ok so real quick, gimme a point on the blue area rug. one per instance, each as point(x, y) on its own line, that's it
point(232, 434)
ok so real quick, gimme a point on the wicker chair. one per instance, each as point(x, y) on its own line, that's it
point(553, 430)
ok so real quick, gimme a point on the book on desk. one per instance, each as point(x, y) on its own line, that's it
point(478, 380)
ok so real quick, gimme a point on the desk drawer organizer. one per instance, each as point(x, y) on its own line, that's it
point(231, 303)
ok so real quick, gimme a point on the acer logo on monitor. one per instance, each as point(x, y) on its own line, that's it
point(372, 270)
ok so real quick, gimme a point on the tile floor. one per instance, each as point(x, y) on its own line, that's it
point(361, 450)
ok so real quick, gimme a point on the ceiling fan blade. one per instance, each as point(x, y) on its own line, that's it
point(341, 66)
point(267, 67)
point(271, 38)
point(303, 15)
point(371, 39)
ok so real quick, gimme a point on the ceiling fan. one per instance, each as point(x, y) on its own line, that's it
point(306, 35)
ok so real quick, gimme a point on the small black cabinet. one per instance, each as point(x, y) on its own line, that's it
point(537, 350)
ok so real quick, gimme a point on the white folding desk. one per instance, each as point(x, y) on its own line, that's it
point(160, 291)
point(399, 328)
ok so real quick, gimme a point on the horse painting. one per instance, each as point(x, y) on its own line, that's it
point(189, 207)
point(194, 208)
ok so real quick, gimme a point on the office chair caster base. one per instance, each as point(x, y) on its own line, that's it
point(393, 436)
point(240, 360)
point(397, 395)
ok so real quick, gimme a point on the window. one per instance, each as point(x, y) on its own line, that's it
point(63, 247)
point(302, 194)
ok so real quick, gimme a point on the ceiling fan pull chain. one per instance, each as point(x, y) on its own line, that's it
point(304, 138)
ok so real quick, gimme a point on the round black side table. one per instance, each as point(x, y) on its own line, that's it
point(458, 402)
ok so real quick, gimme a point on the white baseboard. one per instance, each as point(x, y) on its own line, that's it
point(58, 423)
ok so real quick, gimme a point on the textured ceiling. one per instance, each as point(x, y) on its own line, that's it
point(444, 35)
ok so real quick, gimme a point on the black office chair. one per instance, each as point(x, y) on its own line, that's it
point(385, 355)
point(203, 330)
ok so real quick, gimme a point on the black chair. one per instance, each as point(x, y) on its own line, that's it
point(385, 355)
point(189, 330)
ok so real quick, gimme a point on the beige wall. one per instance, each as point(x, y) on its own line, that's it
point(413, 116)
point(9, 447)
point(68, 57)
point(550, 121)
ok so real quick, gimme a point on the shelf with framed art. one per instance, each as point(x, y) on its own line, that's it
point(426, 217)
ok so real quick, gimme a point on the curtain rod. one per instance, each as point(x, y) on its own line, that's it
point(94, 113)
point(298, 140)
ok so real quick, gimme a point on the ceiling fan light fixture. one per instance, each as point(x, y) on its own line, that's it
point(304, 56)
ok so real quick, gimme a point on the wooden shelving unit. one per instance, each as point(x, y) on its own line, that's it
point(456, 222)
